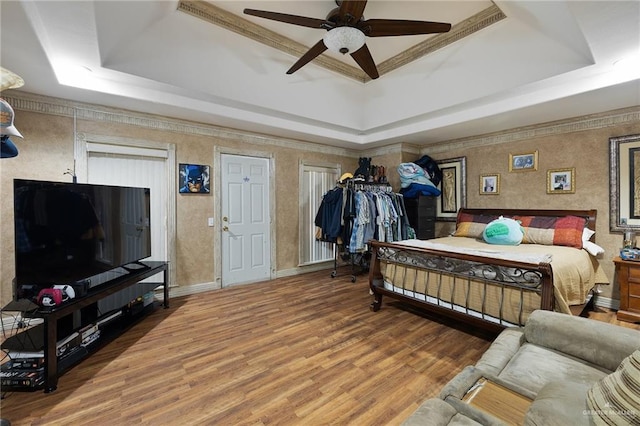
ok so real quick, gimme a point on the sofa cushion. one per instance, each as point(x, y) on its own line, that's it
point(534, 366)
point(615, 400)
point(559, 404)
point(598, 343)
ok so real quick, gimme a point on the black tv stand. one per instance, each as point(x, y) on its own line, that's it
point(49, 330)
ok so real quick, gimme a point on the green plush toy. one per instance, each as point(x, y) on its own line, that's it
point(503, 231)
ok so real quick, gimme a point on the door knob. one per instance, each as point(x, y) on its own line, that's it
point(225, 228)
point(225, 219)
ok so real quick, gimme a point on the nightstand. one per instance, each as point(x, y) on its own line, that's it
point(628, 273)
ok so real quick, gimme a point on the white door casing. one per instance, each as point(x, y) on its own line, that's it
point(245, 219)
point(138, 163)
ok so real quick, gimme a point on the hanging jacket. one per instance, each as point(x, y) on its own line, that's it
point(329, 215)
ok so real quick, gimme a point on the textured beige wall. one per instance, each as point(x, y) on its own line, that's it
point(587, 151)
point(47, 151)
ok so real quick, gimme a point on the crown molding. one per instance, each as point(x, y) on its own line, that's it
point(220, 17)
point(54, 106)
point(475, 23)
point(576, 124)
point(239, 25)
point(82, 111)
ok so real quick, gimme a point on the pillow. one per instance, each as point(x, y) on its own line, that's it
point(549, 230)
point(615, 399)
point(472, 225)
point(587, 234)
point(503, 231)
point(592, 248)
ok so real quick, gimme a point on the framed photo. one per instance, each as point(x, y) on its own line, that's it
point(193, 179)
point(490, 184)
point(561, 181)
point(523, 162)
point(453, 188)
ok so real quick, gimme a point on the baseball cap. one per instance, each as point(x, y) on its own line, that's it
point(7, 148)
point(6, 120)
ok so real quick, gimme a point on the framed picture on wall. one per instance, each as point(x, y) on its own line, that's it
point(561, 181)
point(453, 188)
point(490, 184)
point(523, 162)
point(193, 179)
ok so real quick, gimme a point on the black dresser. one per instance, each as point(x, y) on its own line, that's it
point(422, 216)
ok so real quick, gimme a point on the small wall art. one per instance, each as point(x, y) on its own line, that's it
point(193, 179)
point(561, 181)
point(523, 162)
point(490, 184)
point(453, 188)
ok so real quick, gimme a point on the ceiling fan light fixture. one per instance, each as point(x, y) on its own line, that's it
point(344, 39)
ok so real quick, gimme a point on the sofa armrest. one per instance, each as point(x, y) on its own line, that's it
point(596, 342)
point(502, 349)
point(559, 404)
point(461, 383)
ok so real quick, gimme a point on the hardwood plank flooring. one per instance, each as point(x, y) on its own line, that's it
point(303, 350)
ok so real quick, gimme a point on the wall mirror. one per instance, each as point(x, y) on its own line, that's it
point(624, 182)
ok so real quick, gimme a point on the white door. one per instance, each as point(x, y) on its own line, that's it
point(246, 223)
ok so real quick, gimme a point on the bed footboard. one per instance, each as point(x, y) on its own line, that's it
point(490, 293)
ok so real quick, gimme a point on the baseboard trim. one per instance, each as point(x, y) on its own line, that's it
point(188, 290)
point(304, 269)
point(203, 287)
point(607, 302)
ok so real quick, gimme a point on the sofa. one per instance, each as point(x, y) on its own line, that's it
point(570, 370)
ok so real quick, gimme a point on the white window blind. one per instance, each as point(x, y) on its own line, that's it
point(315, 181)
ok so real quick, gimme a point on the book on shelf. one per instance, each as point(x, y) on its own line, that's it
point(25, 354)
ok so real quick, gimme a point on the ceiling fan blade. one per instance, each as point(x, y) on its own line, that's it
point(363, 57)
point(311, 54)
point(351, 11)
point(289, 19)
point(399, 27)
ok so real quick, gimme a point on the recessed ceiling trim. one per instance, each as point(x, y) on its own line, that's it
point(215, 15)
point(463, 29)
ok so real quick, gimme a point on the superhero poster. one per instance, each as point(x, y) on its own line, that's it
point(193, 179)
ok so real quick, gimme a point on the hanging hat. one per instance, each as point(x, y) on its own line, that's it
point(344, 177)
point(9, 80)
point(7, 148)
point(6, 120)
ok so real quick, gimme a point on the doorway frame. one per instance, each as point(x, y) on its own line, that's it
point(128, 146)
point(217, 207)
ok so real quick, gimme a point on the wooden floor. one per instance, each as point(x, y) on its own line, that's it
point(302, 350)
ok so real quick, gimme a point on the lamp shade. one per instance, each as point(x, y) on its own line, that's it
point(344, 39)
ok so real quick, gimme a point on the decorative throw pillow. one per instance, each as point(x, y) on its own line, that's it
point(472, 225)
point(615, 399)
point(548, 230)
point(503, 231)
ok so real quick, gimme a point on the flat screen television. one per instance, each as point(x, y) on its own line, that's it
point(70, 233)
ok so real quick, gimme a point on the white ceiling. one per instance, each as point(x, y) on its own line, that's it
point(547, 60)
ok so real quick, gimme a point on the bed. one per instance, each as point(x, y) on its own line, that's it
point(493, 286)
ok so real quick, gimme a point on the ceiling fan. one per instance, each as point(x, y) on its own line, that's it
point(347, 29)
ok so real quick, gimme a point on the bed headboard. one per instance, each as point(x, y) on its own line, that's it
point(589, 215)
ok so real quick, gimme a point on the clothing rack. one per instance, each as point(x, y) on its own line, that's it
point(366, 211)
